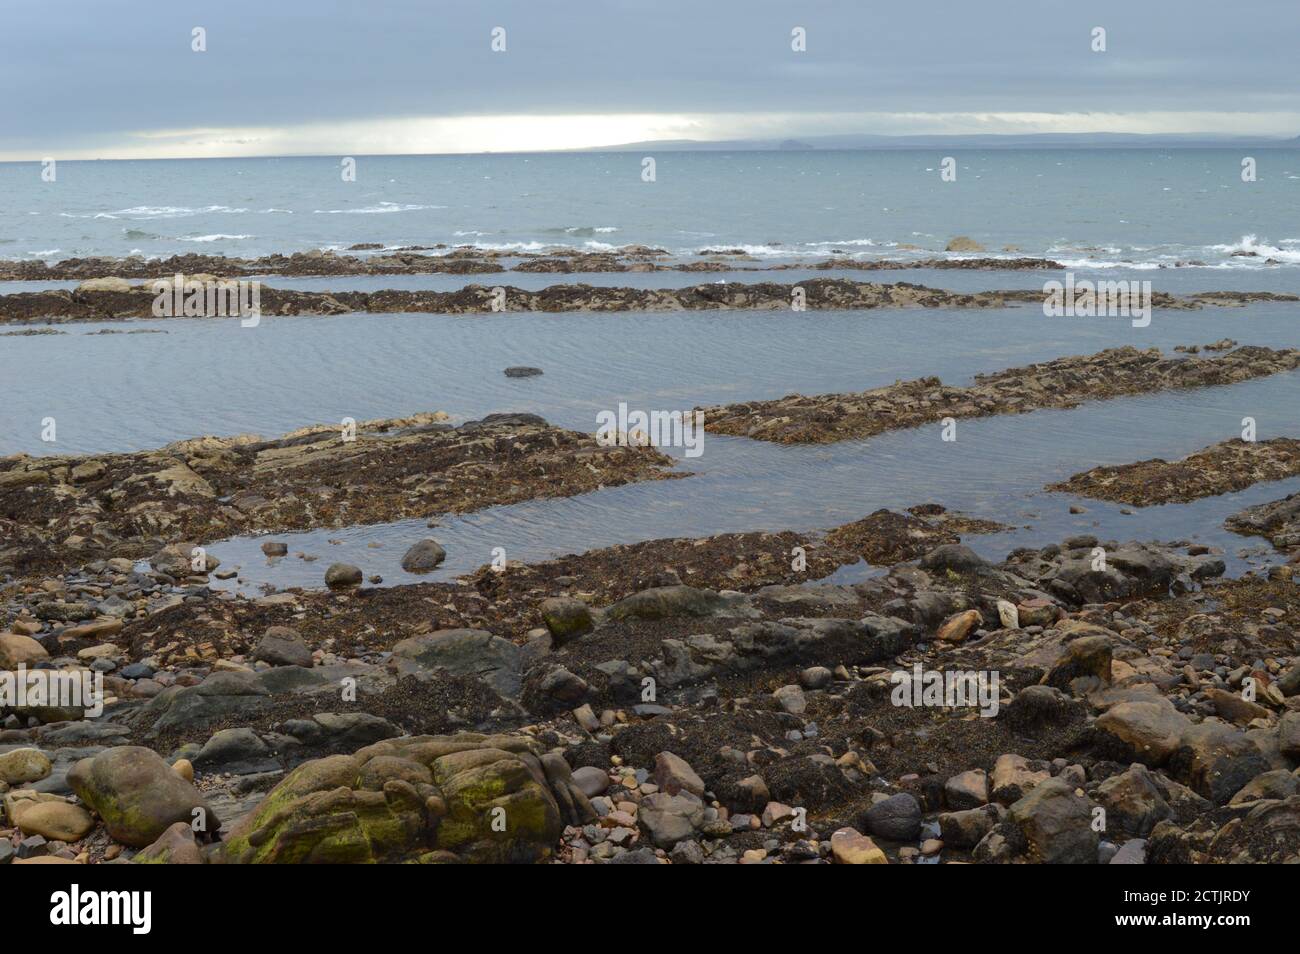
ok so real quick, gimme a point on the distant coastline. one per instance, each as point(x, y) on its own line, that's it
point(971, 141)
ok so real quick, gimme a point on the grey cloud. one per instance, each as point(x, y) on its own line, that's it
point(88, 70)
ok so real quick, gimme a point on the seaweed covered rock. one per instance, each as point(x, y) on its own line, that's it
point(138, 795)
point(430, 799)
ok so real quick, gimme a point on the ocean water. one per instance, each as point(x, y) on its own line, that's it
point(1119, 213)
point(1098, 208)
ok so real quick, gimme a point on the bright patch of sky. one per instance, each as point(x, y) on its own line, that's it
point(93, 79)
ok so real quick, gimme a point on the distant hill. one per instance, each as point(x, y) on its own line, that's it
point(975, 141)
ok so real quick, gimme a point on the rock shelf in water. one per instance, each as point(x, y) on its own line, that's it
point(117, 300)
point(1219, 469)
point(462, 260)
point(1060, 383)
point(57, 511)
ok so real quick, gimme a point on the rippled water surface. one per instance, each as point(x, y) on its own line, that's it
point(1146, 206)
point(133, 391)
point(115, 392)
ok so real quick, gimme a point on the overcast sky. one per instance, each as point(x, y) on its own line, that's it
point(118, 78)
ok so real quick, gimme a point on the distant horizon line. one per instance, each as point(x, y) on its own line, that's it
point(833, 143)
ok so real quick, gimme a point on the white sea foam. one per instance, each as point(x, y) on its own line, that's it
point(587, 229)
point(1256, 249)
point(1083, 264)
point(794, 250)
point(512, 246)
point(176, 211)
point(383, 208)
point(218, 237)
point(862, 241)
point(755, 250)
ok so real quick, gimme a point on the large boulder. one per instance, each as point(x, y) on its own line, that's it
point(674, 774)
point(175, 846)
point(1013, 777)
point(20, 766)
point(237, 751)
point(567, 618)
point(964, 829)
point(467, 652)
point(1086, 659)
point(968, 789)
point(956, 628)
point(665, 602)
point(1037, 708)
point(897, 818)
point(1133, 801)
point(57, 821)
point(1279, 783)
point(222, 697)
point(850, 847)
point(138, 795)
point(423, 556)
point(1288, 736)
point(104, 285)
point(953, 556)
point(280, 646)
point(1056, 824)
point(342, 574)
point(1217, 760)
point(17, 649)
point(1149, 730)
point(182, 560)
point(429, 799)
point(669, 819)
point(1080, 581)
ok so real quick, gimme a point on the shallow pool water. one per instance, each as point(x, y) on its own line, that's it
point(119, 392)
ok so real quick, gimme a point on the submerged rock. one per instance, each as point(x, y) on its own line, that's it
point(423, 556)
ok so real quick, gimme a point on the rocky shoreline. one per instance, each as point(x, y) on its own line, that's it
point(117, 299)
point(659, 716)
point(1220, 469)
point(58, 512)
point(1278, 521)
point(725, 700)
point(1060, 383)
point(460, 260)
